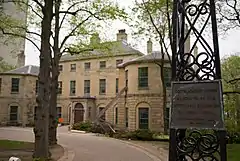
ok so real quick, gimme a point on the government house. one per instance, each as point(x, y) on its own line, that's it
point(124, 83)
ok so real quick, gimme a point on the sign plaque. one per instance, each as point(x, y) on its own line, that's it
point(197, 104)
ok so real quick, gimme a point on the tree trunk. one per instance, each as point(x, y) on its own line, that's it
point(54, 81)
point(41, 150)
point(164, 92)
point(53, 109)
point(164, 103)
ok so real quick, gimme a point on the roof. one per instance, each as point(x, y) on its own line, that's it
point(116, 48)
point(25, 70)
point(154, 56)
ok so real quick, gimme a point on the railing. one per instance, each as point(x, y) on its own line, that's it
point(110, 104)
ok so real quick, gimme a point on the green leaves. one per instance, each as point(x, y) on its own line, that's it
point(231, 71)
point(4, 66)
point(89, 17)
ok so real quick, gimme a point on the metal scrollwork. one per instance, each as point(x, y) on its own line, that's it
point(192, 65)
point(197, 146)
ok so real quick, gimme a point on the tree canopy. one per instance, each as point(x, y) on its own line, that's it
point(5, 66)
point(228, 14)
point(231, 89)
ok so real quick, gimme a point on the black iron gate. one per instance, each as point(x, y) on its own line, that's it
point(200, 16)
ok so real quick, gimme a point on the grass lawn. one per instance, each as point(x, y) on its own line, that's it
point(233, 152)
point(15, 145)
point(9, 148)
point(24, 150)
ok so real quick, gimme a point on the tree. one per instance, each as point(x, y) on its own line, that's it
point(5, 66)
point(16, 28)
point(84, 17)
point(228, 14)
point(81, 19)
point(231, 90)
point(153, 19)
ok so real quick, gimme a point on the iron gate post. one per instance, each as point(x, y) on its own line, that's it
point(194, 14)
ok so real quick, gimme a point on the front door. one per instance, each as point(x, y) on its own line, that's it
point(78, 113)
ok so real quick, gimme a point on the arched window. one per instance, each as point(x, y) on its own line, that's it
point(143, 116)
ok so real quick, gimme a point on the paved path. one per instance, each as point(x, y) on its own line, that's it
point(85, 147)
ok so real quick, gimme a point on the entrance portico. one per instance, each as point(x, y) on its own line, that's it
point(82, 109)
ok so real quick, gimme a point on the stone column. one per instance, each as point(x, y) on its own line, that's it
point(85, 111)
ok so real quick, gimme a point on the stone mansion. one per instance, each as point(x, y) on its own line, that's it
point(126, 82)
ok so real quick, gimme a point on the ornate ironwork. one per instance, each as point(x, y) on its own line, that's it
point(187, 65)
point(203, 65)
point(198, 145)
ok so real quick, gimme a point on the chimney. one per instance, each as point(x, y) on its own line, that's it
point(149, 46)
point(121, 35)
point(21, 59)
point(95, 39)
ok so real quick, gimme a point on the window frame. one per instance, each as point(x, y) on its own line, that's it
point(36, 87)
point(117, 85)
point(143, 78)
point(102, 64)
point(87, 89)
point(87, 65)
point(72, 88)
point(126, 117)
point(59, 87)
point(73, 67)
point(143, 125)
point(116, 115)
point(15, 114)
point(15, 85)
point(59, 112)
point(102, 86)
point(167, 71)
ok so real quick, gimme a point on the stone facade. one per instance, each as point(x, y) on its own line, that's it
point(136, 108)
point(24, 100)
point(12, 49)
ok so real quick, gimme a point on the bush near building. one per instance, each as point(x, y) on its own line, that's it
point(144, 135)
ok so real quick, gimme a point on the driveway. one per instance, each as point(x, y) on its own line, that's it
point(85, 147)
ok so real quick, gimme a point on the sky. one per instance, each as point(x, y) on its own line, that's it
point(228, 44)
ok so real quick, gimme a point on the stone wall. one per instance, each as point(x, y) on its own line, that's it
point(25, 99)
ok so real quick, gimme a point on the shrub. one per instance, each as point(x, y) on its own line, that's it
point(83, 126)
point(97, 129)
point(233, 137)
point(144, 135)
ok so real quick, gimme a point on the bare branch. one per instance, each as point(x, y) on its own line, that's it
point(38, 3)
point(159, 33)
point(17, 35)
point(68, 50)
point(35, 11)
point(73, 30)
point(233, 80)
point(68, 11)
